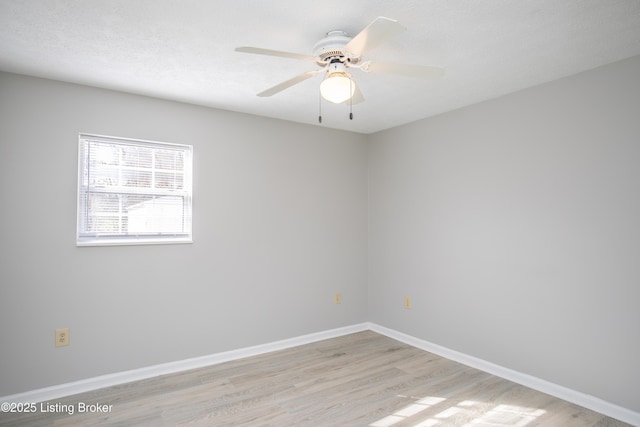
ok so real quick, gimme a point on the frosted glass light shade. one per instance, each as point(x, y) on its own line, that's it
point(337, 88)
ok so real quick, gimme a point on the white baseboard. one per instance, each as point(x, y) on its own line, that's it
point(68, 389)
point(564, 393)
point(89, 384)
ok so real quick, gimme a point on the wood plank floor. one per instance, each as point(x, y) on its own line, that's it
point(362, 379)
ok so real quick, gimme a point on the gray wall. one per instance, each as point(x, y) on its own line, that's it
point(514, 225)
point(279, 226)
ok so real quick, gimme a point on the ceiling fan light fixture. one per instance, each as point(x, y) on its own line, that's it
point(338, 86)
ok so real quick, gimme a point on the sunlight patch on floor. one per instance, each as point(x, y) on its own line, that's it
point(507, 415)
point(499, 416)
point(408, 411)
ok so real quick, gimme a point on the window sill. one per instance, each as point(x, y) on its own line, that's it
point(133, 242)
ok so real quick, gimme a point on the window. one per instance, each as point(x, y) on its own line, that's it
point(133, 192)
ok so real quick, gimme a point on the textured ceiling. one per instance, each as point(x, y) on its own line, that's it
point(184, 50)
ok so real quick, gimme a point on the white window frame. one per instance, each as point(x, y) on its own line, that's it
point(86, 237)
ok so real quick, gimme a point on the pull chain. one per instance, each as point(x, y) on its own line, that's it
point(351, 99)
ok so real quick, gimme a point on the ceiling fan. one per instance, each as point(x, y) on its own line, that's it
point(337, 54)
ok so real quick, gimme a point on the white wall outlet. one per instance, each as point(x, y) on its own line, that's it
point(337, 298)
point(407, 302)
point(62, 337)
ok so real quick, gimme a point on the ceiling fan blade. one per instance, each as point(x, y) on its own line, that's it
point(357, 97)
point(408, 70)
point(374, 34)
point(269, 52)
point(287, 84)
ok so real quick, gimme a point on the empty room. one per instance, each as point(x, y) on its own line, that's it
point(340, 213)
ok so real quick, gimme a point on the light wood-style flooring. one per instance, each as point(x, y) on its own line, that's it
point(362, 379)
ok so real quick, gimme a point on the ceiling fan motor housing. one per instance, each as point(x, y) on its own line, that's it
point(332, 48)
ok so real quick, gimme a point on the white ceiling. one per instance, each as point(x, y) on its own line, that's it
point(184, 50)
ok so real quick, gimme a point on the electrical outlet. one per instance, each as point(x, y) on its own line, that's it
point(62, 337)
point(337, 298)
point(407, 302)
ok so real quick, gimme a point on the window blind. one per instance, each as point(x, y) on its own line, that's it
point(132, 191)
